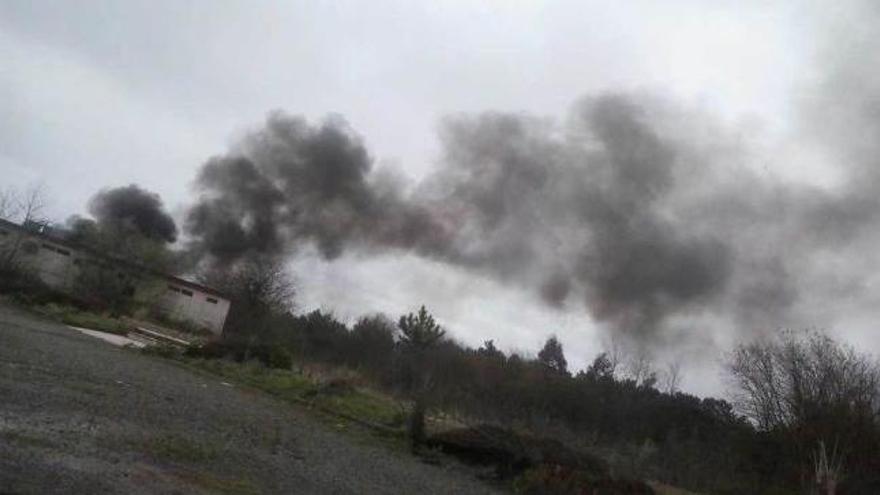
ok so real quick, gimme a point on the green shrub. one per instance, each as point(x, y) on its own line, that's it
point(279, 358)
point(186, 326)
point(271, 356)
point(93, 321)
point(214, 349)
point(105, 288)
point(167, 351)
point(27, 289)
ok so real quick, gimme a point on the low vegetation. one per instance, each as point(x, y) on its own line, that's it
point(101, 323)
point(333, 392)
point(81, 318)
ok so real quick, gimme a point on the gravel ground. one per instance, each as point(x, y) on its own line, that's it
point(78, 415)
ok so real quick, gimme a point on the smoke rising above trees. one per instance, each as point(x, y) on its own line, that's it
point(658, 218)
point(128, 222)
point(134, 208)
point(292, 183)
point(633, 207)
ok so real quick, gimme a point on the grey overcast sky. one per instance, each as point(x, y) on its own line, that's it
point(98, 94)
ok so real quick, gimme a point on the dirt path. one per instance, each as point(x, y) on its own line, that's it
point(78, 415)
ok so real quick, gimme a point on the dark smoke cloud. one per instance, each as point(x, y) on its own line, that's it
point(651, 215)
point(133, 207)
point(293, 183)
point(586, 211)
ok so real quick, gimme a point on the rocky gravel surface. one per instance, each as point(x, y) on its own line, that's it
point(78, 415)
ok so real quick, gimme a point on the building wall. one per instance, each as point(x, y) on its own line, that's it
point(54, 264)
point(188, 303)
point(58, 265)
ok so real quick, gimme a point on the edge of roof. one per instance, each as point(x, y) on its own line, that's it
point(72, 245)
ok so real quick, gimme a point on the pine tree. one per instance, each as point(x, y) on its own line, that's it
point(419, 333)
point(552, 356)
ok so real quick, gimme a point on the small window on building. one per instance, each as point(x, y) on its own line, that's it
point(63, 252)
point(49, 247)
point(173, 288)
point(186, 292)
point(212, 300)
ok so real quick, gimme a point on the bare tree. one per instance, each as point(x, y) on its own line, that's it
point(615, 351)
point(786, 381)
point(670, 377)
point(813, 390)
point(828, 470)
point(260, 288)
point(7, 204)
point(633, 362)
point(25, 207)
point(30, 205)
point(630, 360)
point(640, 368)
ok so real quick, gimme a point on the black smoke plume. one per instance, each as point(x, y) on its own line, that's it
point(654, 216)
point(292, 183)
point(134, 208)
point(591, 211)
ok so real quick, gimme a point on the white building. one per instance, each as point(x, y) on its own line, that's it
point(58, 262)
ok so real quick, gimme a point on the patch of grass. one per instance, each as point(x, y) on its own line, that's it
point(25, 440)
point(361, 405)
point(75, 317)
point(52, 310)
point(339, 410)
point(281, 383)
point(179, 449)
point(184, 326)
point(93, 321)
point(168, 351)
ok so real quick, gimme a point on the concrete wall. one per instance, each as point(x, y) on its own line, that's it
point(52, 263)
point(185, 302)
point(58, 265)
point(55, 264)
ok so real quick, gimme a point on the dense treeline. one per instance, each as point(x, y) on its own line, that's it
point(703, 444)
point(678, 438)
